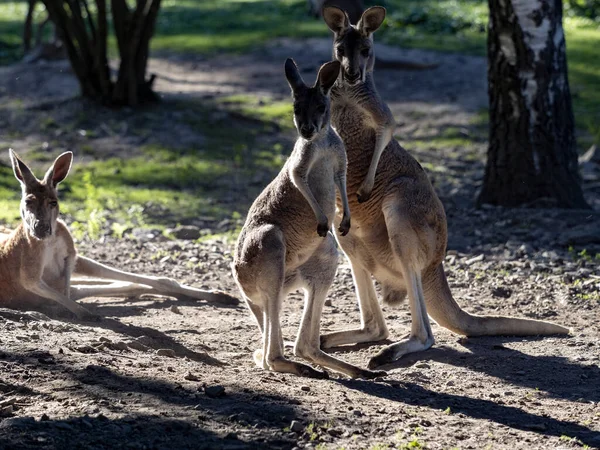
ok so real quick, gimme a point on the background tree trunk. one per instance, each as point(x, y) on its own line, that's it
point(85, 40)
point(532, 151)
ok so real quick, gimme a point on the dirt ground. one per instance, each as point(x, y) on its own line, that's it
point(158, 373)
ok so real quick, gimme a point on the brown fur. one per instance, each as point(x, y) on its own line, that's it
point(38, 258)
point(399, 234)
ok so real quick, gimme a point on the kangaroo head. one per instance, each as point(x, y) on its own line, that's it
point(353, 44)
point(311, 104)
point(39, 202)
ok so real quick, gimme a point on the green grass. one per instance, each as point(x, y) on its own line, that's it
point(217, 26)
point(162, 185)
point(184, 183)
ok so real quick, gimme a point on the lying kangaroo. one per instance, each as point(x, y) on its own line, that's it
point(39, 256)
point(399, 235)
point(279, 249)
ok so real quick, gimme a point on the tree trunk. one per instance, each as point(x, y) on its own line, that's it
point(532, 155)
point(85, 41)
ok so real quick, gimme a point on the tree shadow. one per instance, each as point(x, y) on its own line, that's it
point(262, 414)
point(416, 395)
point(154, 339)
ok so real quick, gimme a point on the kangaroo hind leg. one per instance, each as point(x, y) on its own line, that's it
point(372, 326)
point(410, 244)
point(317, 275)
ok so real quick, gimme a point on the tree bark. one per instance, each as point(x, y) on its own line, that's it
point(86, 40)
point(532, 156)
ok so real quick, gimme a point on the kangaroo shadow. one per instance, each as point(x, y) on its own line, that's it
point(134, 306)
point(556, 375)
point(153, 339)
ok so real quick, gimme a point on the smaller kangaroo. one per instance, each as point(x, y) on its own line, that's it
point(38, 258)
point(279, 249)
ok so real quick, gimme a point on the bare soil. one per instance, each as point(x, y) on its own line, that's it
point(161, 373)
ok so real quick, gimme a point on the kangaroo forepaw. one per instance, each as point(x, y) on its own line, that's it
point(322, 229)
point(344, 227)
point(363, 195)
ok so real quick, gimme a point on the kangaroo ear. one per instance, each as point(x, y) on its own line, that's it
point(371, 20)
point(20, 169)
point(336, 19)
point(60, 169)
point(328, 73)
point(293, 75)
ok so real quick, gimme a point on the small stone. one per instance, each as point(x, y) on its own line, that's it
point(334, 432)
point(305, 388)
point(296, 426)
point(471, 261)
point(44, 417)
point(328, 302)
point(191, 377)
point(185, 232)
point(501, 292)
point(136, 345)
point(86, 349)
point(357, 413)
point(6, 410)
point(166, 352)
point(118, 346)
point(423, 366)
point(214, 391)
point(175, 309)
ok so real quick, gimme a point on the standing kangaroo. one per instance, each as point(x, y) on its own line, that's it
point(38, 258)
point(399, 235)
point(285, 244)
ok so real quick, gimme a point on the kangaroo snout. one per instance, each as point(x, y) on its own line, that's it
point(352, 77)
point(42, 229)
point(307, 131)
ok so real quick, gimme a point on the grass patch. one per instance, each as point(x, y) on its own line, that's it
point(262, 109)
point(162, 184)
point(216, 26)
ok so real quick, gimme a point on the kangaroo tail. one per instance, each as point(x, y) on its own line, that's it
point(442, 307)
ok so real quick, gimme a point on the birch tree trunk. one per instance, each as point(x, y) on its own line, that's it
point(532, 153)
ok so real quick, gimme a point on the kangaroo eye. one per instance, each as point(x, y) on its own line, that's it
point(54, 204)
point(29, 202)
point(365, 52)
point(340, 51)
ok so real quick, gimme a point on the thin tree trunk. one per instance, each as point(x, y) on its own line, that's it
point(532, 153)
point(28, 28)
point(86, 43)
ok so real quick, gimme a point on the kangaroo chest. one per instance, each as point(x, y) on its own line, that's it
point(55, 260)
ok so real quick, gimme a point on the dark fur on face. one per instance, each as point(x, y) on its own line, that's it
point(353, 44)
point(39, 202)
point(311, 104)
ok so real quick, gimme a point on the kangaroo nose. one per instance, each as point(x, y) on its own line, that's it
point(42, 229)
point(307, 131)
